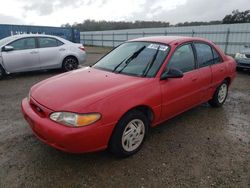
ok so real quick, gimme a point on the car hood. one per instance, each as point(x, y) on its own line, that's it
point(77, 89)
point(246, 51)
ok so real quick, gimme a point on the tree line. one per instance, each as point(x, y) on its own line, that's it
point(91, 25)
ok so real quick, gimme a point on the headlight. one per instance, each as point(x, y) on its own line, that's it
point(73, 119)
point(240, 56)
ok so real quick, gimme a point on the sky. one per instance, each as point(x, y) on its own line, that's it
point(58, 12)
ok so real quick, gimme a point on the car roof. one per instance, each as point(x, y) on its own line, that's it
point(19, 36)
point(31, 35)
point(170, 39)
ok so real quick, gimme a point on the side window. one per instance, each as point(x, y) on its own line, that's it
point(183, 59)
point(204, 54)
point(24, 44)
point(45, 42)
point(217, 58)
point(59, 43)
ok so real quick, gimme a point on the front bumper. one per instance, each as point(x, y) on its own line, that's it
point(243, 63)
point(73, 140)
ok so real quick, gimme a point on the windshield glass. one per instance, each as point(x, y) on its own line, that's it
point(4, 41)
point(135, 58)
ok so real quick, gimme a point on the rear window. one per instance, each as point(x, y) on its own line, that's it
point(47, 42)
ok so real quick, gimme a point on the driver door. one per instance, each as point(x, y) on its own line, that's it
point(180, 94)
point(23, 57)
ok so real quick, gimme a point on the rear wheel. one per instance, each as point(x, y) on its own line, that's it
point(2, 72)
point(129, 134)
point(69, 64)
point(220, 95)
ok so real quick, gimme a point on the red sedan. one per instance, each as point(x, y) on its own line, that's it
point(139, 84)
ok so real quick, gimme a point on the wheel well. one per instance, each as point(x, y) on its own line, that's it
point(72, 57)
point(1, 67)
point(228, 80)
point(146, 110)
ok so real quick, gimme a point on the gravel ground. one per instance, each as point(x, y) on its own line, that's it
point(203, 147)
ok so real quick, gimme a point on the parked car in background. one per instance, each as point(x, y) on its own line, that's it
point(243, 58)
point(29, 52)
point(138, 85)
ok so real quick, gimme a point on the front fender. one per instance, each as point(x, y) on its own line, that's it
point(114, 107)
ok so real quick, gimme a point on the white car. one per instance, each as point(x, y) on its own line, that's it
point(29, 52)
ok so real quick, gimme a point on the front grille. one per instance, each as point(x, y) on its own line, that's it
point(39, 109)
point(248, 55)
point(244, 64)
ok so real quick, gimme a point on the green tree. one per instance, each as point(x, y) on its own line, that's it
point(237, 17)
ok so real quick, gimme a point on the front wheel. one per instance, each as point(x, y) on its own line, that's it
point(2, 72)
point(69, 64)
point(129, 134)
point(220, 95)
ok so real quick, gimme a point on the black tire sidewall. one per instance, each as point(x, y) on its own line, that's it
point(65, 61)
point(2, 73)
point(215, 100)
point(115, 144)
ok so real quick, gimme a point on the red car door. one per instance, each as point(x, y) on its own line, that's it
point(180, 94)
point(218, 70)
point(205, 61)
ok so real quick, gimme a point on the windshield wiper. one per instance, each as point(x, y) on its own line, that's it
point(129, 59)
point(150, 64)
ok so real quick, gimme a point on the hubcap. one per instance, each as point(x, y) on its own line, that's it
point(70, 64)
point(222, 93)
point(133, 135)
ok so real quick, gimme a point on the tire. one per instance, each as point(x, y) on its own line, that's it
point(2, 72)
point(220, 95)
point(69, 63)
point(238, 68)
point(129, 134)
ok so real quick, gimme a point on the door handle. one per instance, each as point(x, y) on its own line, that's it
point(221, 69)
point(194, 79)
point(62, 49)
point(33, 52)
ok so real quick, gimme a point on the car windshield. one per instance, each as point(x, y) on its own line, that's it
point(135, 58)
point(6, 40)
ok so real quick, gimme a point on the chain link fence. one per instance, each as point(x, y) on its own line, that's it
point(231, 38)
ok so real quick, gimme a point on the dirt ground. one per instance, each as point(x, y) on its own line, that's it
point(204, 147)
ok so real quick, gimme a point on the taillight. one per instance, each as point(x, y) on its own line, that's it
point(82, 48)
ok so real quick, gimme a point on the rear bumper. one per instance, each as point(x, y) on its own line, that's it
point(82, 58)
point(73, 140)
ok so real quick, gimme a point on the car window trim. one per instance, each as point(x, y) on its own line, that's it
point(212, 48)
point(22, 39)
point(179, 46)
point(38, 42)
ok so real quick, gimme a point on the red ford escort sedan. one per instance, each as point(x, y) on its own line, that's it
point(138, 85)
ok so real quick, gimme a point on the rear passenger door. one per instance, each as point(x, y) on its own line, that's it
point(204, 57)
point(210, 68)
point(50, 50)
point(218, 70)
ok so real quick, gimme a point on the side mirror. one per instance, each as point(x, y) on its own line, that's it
point(8, 48)
point(172, 73)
